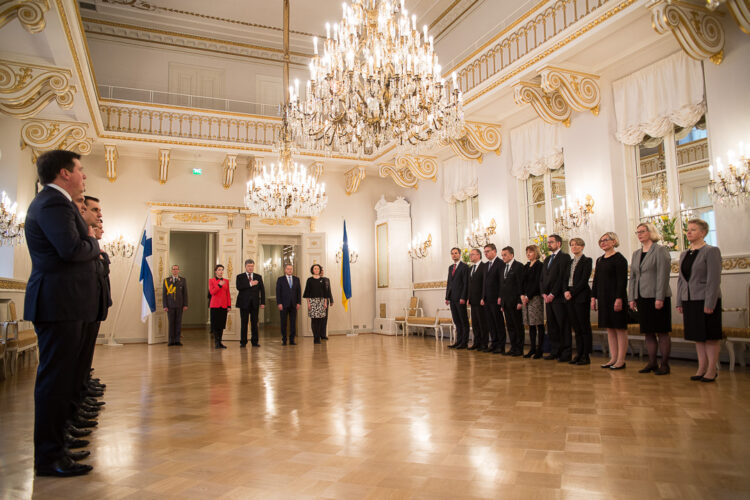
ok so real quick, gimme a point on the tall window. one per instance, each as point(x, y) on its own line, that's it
point(673, 182)
point(467, 211)
point(544, 193)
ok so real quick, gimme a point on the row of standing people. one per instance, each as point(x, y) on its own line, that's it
point(506, 295)
point(67, 297)
point(251, 297)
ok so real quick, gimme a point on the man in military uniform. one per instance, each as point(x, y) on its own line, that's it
point(175, 300)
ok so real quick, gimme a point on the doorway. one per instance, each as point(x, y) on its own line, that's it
point(272, 258)
point(195, 253)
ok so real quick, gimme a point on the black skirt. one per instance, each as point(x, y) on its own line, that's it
point(700, 326)
point(655, 320)
point(218, 319)
point(609, 318)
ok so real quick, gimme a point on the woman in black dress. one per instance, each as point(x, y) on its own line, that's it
point(533, 308)
point(610, 296)
point(317, 302)
point(699, 298)
point(649, 294)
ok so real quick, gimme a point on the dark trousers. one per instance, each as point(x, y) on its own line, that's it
point(291, 313)
point(560, 339)
point(325, 324)
point(461, 321)
point(580, 319)
point(479, 326)
point(496, 326)
point(318, 327)
point(174, 316)
point(88, 345)
point(514, 319)
point(252, 315)
point(59, 356)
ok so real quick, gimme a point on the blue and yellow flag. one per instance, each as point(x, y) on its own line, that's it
point(346, 275)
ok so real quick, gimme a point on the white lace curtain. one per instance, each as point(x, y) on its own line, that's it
point(651, 101)
point(536, 148)
point(460, 179)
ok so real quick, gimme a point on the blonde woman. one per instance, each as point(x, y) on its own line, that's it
point(609, 297)
point(533, 307)
point(649, 294)
point(699, 298)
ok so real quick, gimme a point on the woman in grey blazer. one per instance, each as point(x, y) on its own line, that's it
point(649, 294)
point(699, 298)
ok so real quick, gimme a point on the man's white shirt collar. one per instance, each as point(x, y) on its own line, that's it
point(62, 190)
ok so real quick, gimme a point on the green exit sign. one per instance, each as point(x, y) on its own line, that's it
point(197, 171)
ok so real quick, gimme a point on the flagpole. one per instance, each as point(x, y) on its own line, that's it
point(111, 341)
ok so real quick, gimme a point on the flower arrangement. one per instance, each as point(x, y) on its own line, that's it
point(541, 241)
point(465, 255)
point(666, 227)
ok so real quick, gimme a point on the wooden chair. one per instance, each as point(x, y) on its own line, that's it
point(412, 309)
point(436, 322)
point(20, 341)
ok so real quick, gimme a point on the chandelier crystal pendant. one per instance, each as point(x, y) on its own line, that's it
point(377, 80)
point(11, 226)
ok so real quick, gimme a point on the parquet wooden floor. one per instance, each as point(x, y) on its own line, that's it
point(384, 417)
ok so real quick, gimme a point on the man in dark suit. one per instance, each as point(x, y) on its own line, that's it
point(510, 299)
point(456, 294)
point(251, 297)
point(478, 313)
point(174, 298)
point(577, 299)
point(61, 296)
point(289, 299)
point(552, 287)
point(491, 300)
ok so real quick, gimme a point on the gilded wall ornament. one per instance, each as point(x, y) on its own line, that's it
point(423, 167)
point(30, 13)
point(740, 10)
point(696, 29)
point(465, 149)
point(551, 108)
point(43, 135)
point(579, 90)
point(110, 158)
point(229, 165)
point(353, 178)
point(403, 177)
point(316, 170)
point(195, 217)
point(25, 89)
point(284, 221)
point(163, 165)
point(478, 138)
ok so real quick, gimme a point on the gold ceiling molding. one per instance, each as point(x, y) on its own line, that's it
point(403, 177)
point(25, 89)
point(465, 149)
point(195, 217)
point(43, 135)
point(284, 221)
point(579, 90)
point(30, 13)
point(353, 178)
point(552, 108)
point(696, 29)
point(229, 165)
point(163, 165)
point(740, 10)
point(110, 158)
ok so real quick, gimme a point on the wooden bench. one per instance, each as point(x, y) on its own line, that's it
point(424, 322)
point(413, 309)
point(736, 340)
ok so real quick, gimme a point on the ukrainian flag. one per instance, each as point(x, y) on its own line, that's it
point(346, 275)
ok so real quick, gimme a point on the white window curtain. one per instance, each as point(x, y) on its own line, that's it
point(536, 149)
point(460, 179)
point(651, 101)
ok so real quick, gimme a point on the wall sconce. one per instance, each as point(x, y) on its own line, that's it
point(419, 249)
point(119, 247)
point(11, 227)
point(731, 185)
point(479, 236)
point(573, 215)
point(353, 256)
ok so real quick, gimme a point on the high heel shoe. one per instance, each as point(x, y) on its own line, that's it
point(648, 369)
point(662, 370)
point(607, 365)
point(695, 378)
point(529, 354)
point(622, 367)
point(705, 379)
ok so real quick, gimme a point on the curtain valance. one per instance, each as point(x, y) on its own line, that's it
point(460, 179)
point(536, 148)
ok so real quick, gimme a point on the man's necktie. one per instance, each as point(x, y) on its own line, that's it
point(490, 266)
point(473, 269)
point(454, 269)
point(507, 268)
point(289, 279)
point(551, 258)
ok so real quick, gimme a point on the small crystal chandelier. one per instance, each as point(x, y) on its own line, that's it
point(573, 215)
point(378, 80)
point(479, 235)
point(11, 227)
point(119, 247)
point(731, 185)
point(419, 248)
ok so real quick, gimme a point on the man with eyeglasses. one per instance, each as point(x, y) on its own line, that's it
point(553, 287)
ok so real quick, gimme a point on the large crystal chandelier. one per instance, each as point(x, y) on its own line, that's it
point(286, 189)
point(11, 226)
point(377, 80)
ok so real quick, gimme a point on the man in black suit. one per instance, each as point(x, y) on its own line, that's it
point(251, 297)
point(289, 299)
point(478, 313)
point(577, 298)
point(491, 300)
point(552, 287)
point(61, 296)
point(456, 293)
point(174, 298)
point(510, 299)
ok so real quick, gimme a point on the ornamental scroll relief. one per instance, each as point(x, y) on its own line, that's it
point(406, 170)
point(559, 93)
point(353, 178)
point(30, 13)
point(43, 135)
point(695, 28)
point(478, 138)
point(25, 89)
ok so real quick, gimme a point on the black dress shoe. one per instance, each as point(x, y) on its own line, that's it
point(316, 341)
point(706, 379)
point(283, 342)
point(94, 394)
point(291, 342)
point(243, 345)
point(662, 370)
point(563, 359)
point(697, 378)
point(472, 348)
point(452, 346)
point(93, 402)
point(222, 346)
point(72, 443)
point(583, 361)
point(485, 349)
point(81, 423)
point(76, 432)
point(648, 369)
point(529, 354)
point(324, 338)
point(461, 346)
point(98, 384)
point(77, 455)
point(550, 357)
point(89, 408)
point(178, 343)
point(607, 365)
point(255, 345)
point(64, 467)
point(538, 355)
point(516, 354)
point(86, 415)
point(573, 361)
point(621, 367)
point(170, 344)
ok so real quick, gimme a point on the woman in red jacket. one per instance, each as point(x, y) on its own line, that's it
point(221, 302)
